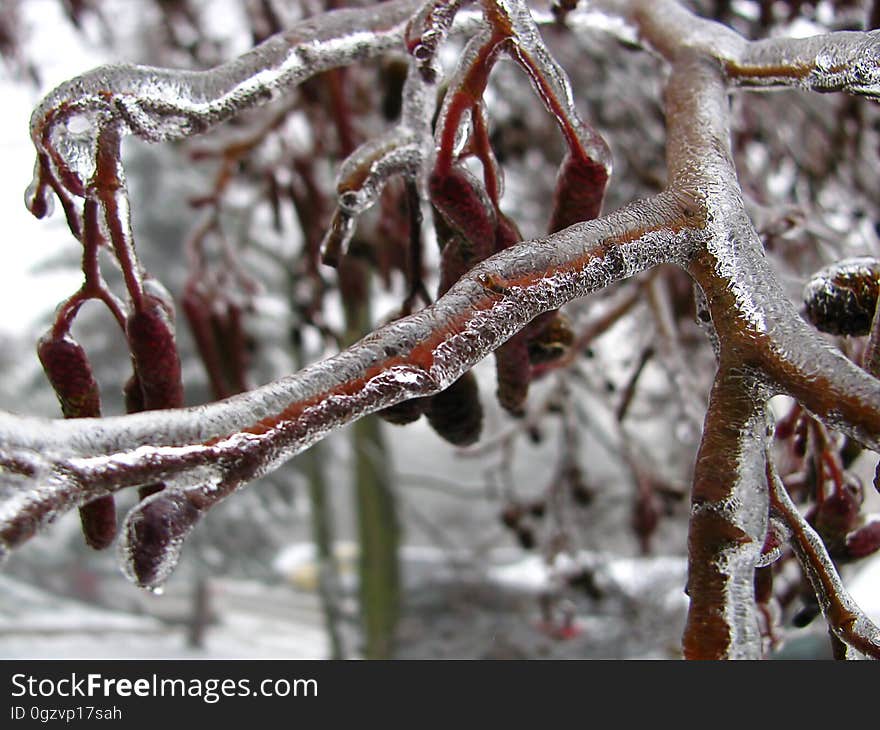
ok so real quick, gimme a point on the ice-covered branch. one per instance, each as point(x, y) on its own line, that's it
point(842, 61)
point(847, 61)
point(159, 104)
point(52, 466)
point(728, 521)
point(848, 622)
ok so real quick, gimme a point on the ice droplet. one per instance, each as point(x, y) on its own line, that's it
point(38, 198)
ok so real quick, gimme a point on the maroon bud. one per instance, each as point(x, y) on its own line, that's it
point(538, 508)
point(764, 584)
point(514, 373)
point(98, 520)
point(150, 335)
point(580, 188)
point(837, 514)
point(70, 373)
point(235, 344)
point(581, 494)
point(645, 518)
point(133, 395)
point(157, 382)
point(456, 413)
point(460, 200)
point(550, 338)
point(525, 536)
point(403, 413)
point(806, 615)
point(453, 264)
point(864, 541)
point(511, 516)
point(154, 534)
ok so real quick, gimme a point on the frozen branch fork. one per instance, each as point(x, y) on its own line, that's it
point(698, 223)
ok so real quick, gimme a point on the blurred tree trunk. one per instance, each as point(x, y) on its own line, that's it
point(378, 529)
point(311, 463)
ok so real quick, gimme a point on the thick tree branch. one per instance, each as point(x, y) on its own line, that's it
point(57, 464)
point(728, 521)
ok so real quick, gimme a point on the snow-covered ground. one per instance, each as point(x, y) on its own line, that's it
point(249, 621)
point(514, 607)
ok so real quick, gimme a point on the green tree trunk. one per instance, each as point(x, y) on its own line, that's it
point(311, 462)
point(378, 529)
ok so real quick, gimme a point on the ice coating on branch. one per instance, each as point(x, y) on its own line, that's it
point(233, 441)
point(842, 61)
point(402, 150)
point(428, 30)
point(729, 519)
point(160, 104)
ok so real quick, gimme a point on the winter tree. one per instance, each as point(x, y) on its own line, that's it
point(521, 181)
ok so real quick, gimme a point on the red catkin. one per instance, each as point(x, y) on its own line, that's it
point(456, 196)
point(864, 541)
point(156, 383)
point(514, 373)
point(580, 188)
point(150, 335)
point(68, 369)
point(456, 413)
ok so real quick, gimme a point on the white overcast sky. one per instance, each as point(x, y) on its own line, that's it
point(25, 241)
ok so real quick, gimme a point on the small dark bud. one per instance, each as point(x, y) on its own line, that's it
point(864, 541)
point(460, 200)
point(580, 188)
point(840, 299)
point(805, 616)
point(98, 521)
point(514, 373)
point(400, 414)
point(511, 516)
point(552, 340)
point(456, 413)
point(538, 508)
point(525, 536)
point(154, 534)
